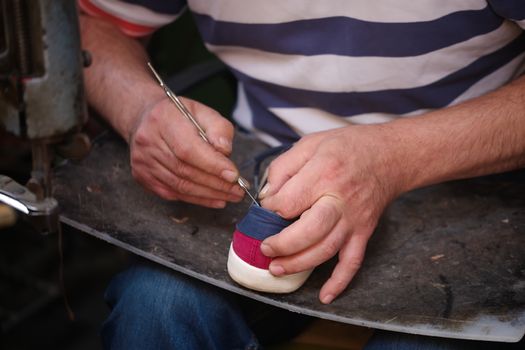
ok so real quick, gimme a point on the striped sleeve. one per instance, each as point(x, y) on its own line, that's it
point(513, 10)
point(135, 18)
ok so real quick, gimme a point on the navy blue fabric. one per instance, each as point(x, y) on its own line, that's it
point(349, 36)
point(266, 121)
point(155, 308)
point(511, 9)
point(398, 101)
point(261, 223)
point(169, 7)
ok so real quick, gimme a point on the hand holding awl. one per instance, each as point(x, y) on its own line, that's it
point(185, 112)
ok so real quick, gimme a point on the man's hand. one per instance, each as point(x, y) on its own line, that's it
point(169, 157)
point(339, 183)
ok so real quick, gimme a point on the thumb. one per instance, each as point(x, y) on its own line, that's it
point(281, 170)
point(219, 130)
point(220, 134)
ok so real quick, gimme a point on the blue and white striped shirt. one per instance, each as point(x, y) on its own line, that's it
point(307, 65)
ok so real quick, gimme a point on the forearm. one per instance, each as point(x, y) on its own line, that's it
point(338, 182)
point(482, 136)
point(118, 73)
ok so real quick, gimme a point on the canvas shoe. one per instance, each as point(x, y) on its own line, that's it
point(246, 263)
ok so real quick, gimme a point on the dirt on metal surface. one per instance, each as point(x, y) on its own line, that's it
point(446, 260)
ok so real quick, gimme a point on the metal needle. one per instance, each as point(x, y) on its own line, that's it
point(243, 183)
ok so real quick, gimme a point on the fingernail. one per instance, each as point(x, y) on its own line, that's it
point(266, 250)
point(229, 175)
point(225, 144)
point(276, 270)
point(327, 299)
point(264, 190)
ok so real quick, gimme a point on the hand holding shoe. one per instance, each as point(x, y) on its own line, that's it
point(339, 183)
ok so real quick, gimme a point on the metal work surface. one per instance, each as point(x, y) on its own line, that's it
point(447, 260)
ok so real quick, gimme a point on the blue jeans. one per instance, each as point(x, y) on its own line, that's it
point(156, 308)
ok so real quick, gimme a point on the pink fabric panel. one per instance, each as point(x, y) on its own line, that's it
point(248, 249)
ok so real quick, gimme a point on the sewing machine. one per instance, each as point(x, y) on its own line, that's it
point(41, 98)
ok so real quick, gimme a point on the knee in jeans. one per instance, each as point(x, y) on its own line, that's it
point(154, 290)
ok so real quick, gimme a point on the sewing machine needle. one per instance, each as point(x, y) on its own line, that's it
point(243, 183)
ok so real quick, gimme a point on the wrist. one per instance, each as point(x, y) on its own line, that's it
point(392, 146)
point(150, 104)
point(416, 153)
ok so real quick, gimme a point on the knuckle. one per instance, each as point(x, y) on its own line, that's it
point(354, 263)
point(189, 103)
point(304, 140)
point(294, 267)
point(332, 205)
point(277, 249)
point(286, 211)
point(183, 186)
point(325, 214)
point(141, 137)
point(275, 242)
point(318, 222)
point(328, 250)
point(283, 245)
point(332, 167)
point(184, 151)
point(339, 284)
point(182, 170)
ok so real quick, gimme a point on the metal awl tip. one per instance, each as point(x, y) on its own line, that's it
point(157, 76)
point(246, 187)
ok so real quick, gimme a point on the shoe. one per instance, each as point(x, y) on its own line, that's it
point(246, 263)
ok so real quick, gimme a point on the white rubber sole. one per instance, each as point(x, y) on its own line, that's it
point(260, 279)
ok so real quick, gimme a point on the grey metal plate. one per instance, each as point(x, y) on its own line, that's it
point(447, 260)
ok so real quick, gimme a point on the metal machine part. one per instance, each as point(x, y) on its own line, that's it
point(41, 86)
point(42, 214)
